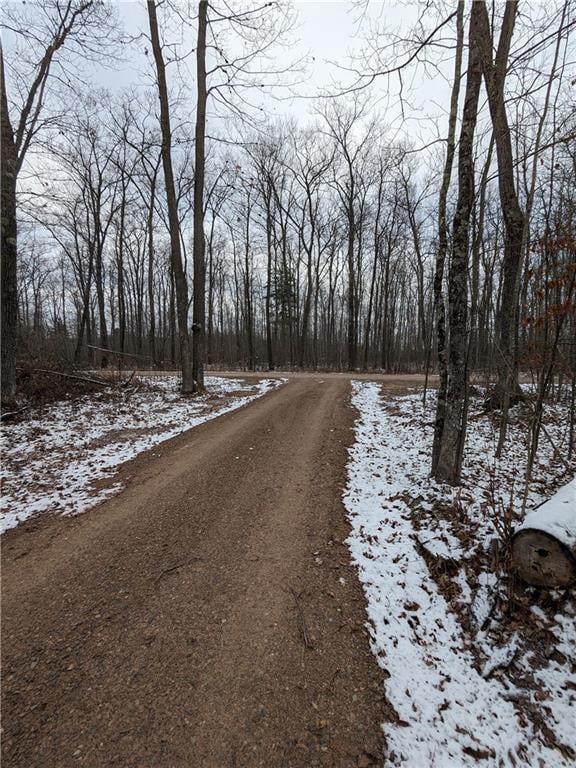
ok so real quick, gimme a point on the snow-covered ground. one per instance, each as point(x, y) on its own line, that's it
point(64, 458)
point(475, 676)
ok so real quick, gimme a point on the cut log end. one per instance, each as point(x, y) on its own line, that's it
point(541, 560)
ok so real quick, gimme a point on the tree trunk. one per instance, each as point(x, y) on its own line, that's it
point(306, 308)
point(99, 280)
point(151, 309)
point(377, 250)
point(199, 309)
point(269, 347)
point(351, 331)
point(453, 434)
point(443, 246)
point(210, 307)
point(9, 250)
point(248, 291)
point(120, 270)
point(495, 78)
point(181, 284)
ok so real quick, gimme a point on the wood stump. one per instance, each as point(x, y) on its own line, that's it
point(541, 560)
point(544, 546)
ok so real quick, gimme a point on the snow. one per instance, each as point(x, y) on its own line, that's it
point(64, 459)
point(556, 516)
point(501, 657)
point(553, 678)
point(441, 543)
point(483, 600)
point(445, 679)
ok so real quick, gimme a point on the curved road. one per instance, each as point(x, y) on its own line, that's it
point(206, 616)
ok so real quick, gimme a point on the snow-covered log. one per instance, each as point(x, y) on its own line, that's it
point(544, 545)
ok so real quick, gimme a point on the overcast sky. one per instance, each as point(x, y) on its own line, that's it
point(327, 31)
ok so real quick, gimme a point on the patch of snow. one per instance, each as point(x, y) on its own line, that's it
point(465, 591)
point(64, 459)
point(449, 714)
point(501, 657)
point(538, 612)
point(440, 542)
point(483, 600)
point(560, 704)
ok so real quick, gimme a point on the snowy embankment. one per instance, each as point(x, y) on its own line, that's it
point(63, 459)
point(473, 679)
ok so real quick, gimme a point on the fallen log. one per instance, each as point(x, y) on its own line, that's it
point(85, 379)
point(543, 549)
point(7, 415)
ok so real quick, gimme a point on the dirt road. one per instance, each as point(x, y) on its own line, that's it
point(208, 615)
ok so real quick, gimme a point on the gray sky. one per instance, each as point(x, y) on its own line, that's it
point(327, 31)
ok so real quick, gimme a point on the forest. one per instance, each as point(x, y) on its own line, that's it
point(329, 244)
point(353, 224)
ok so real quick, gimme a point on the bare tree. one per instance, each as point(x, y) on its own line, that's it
point(8, 248)
point(75, 25)
point(341, 124)
point(188, 385)
point(199, 310)
point(494, 72)
point(454, 428)
point(440, 309)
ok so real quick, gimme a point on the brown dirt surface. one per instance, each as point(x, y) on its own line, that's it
point(206, 616)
